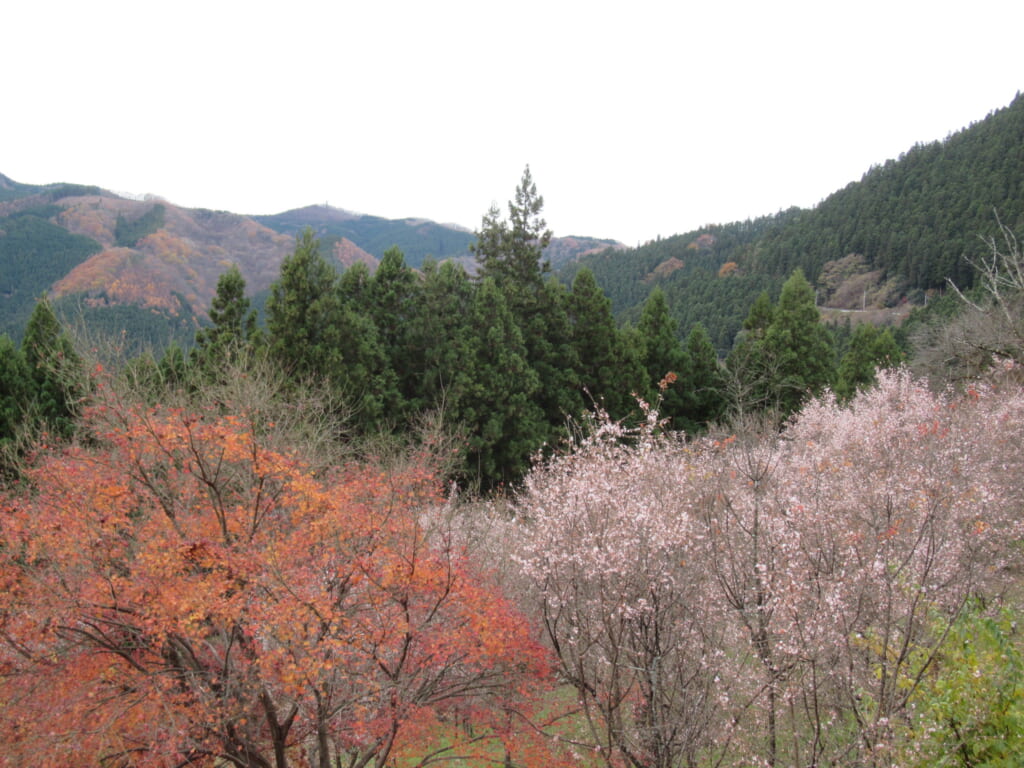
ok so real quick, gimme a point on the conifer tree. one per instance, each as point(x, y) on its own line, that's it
point(54, 367)
point(609, 371)
point(870, 349)
point(703, 382)
point(511, 252)
point(313, 333)
point(800, 345)
point(662, 354)
point(505, 424)
point(15, 391)
point(232, 322)
point(441, 334)
point(394, 296)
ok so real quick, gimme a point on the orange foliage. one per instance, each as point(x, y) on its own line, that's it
point(178, 591)
point(727, 269)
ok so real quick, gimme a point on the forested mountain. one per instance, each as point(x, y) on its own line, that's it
point(899, 232)
point(149, 268)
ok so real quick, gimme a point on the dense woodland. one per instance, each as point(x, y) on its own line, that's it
point(419, 516)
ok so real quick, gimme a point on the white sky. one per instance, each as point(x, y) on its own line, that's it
point(637, 118)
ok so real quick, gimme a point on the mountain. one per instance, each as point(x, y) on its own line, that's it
point(890, 239)
point(417, 238)
point(148, 269)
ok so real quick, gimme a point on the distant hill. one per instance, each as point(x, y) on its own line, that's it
point(148, 269)
point(891, 238)
point(417, 238)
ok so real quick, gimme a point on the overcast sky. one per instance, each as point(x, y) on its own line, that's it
point(637, 119)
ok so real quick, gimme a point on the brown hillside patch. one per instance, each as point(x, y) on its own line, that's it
point(184, 258)
point(665, 269)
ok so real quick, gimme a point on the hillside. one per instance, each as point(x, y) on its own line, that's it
point(892, 237)
point(150, 268)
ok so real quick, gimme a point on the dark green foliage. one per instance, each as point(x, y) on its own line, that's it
point(128, 233)
point(511, 251)
point(60, 191)
point(662, 354)
point(702, 383)
point(394, 299)
point(16, 386)
point(305, 314)
point(609, 371)
point(317, 334)
point(784, 353)
point(232, 323)
point(504, 424)
point(870, 348)
point(440, 337)
point(132, 330)
point(55, 370)
point(799, 345)
point(416, 238)
point(34, 254)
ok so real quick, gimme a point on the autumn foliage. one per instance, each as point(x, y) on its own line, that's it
point(179, 591)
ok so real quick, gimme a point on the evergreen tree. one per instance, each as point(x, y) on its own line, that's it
point(702, 383)
point(313, 333)
point(799, 344)
point(662, 354)
point(505, 424)
point(394, 296)
point(304, 313)
point(870, 349)
point(441, 335)
point(233, 323)
point(15, 392)
point(55, 369)
point(751, 371)
point(609, 371)
point(512, 251)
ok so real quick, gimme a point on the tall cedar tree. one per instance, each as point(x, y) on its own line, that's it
point(499, 409)
point(703, 382)
point(395, 295)
point(609, 371)
point(442, 336)
point(800, 344)
point(511, 252)
point(315, 334)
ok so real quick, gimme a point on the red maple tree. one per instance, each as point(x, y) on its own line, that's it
point(178, 592)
